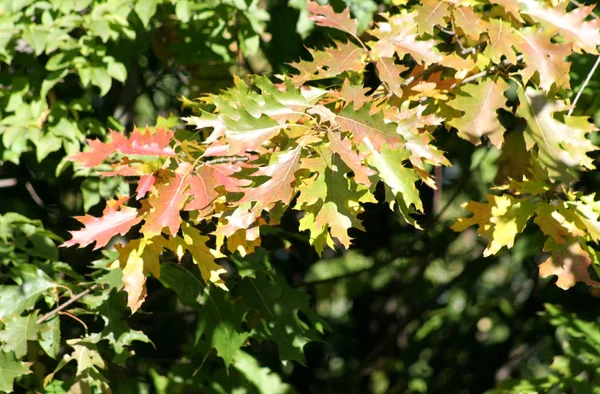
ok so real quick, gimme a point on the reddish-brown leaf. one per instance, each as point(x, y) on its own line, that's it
point(202, 187)
point(116, 219)
point(352, 158)
point(166, 205)
point(146, 143)
point(570, 265)
point(324, 15)
point(144, 184)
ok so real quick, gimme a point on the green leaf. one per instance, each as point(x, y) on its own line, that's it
point(10, 369)
point(399, 178)
point(264, 380)
point(186, 285)
point(100, 77)
point(14, 299)
point(50, 336)
point(36, 37)
point(45, 145)
point(220, 324)
point(183, 10)
point(117, 71)
point(17, 331)
point(51, 81)
point(275, 308)
point(100, 28)
point(146, 10)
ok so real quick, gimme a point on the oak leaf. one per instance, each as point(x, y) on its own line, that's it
point(480, 106)
point(570, 265)
point(324, 15)
point(364, 124)
point(500, 220)
point(116, 219)
point(145, 143)
point(561, 146)
point(166, 205)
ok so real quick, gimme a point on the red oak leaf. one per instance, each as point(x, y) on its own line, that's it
point(325, 16)
point(144, 184)
point(116, 219)
point(570, 265)
point(352, 158)
point(147, 143)
point(166, 204)
point(202, 187)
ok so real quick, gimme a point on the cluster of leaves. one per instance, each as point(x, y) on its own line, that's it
point(323, 152)
point(62, 60)
point(576, 370)
point(31, 274)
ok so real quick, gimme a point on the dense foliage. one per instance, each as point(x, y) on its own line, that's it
point(294, 225)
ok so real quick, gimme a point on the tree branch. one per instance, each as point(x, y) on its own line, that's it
point(59, 308)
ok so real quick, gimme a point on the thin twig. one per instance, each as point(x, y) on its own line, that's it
point(485, 72)
point(36, 197)
point(8, 182)
point(59, 308)
point(582, 88)
point(228, 159)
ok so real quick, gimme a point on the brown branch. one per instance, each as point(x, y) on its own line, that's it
point(59, 308)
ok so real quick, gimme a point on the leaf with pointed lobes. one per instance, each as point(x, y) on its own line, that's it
point(352, 94)
point(144, 185)
point(584, 35)
point(10, 369)
point(502, 37)
point(139, 143)
point(561, 146)
point(480, 106)
point(570, 264)
point(167, 202)
point(548, 59)
point(116, 219)
point(500, 220)
point(352, 158)
point(399, 178)
point(279, 187)
point(194, 242)
point(398, 36)
point(137, 259)
point(324, 15)
point(468, 21)
point(389, 73)
point(363, 123)
point(330, 201)
point(202, 185)
point(328, 63)
point(430, 14)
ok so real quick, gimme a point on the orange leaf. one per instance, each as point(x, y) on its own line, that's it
point(147, 143)
point(166, 205)
point(325, 16)
point(116, 219)
point(570, 265)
